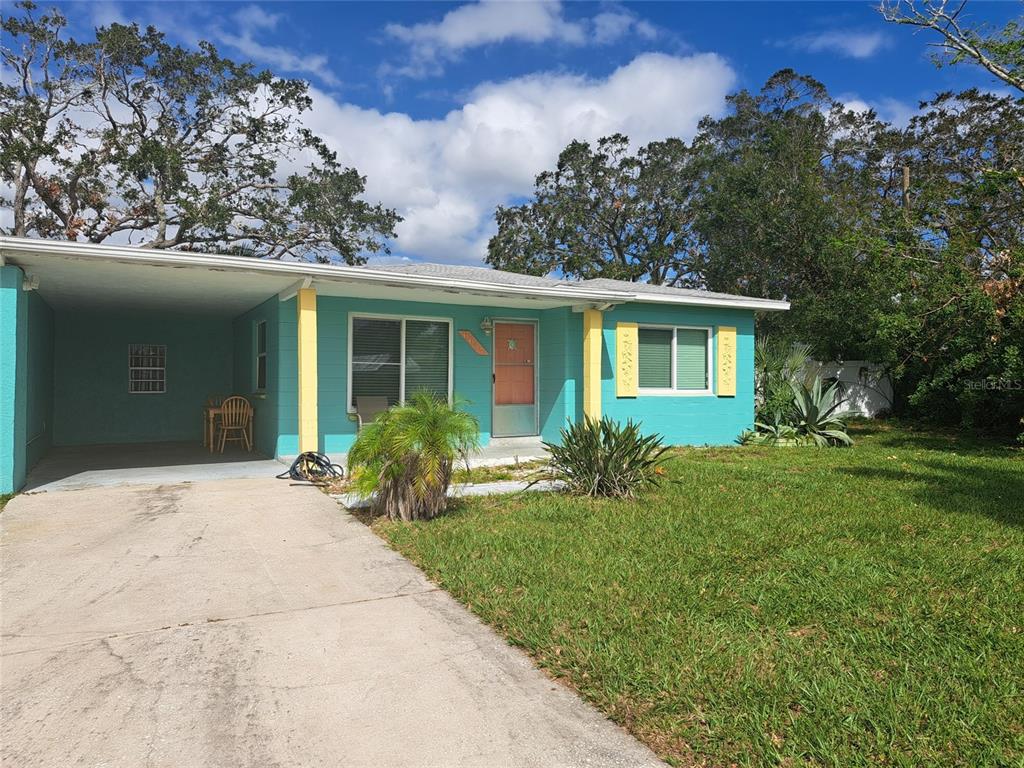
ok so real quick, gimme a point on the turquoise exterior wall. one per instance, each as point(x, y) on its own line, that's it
point(561, 371)
point(39, 394)
point(267, 415)
point(64, 378)
point(685, 420)
point(13, 378)
point(559, 360)
point(92, 402)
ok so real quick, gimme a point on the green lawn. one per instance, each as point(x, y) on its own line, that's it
point(774, 606)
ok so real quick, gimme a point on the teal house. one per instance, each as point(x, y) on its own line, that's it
point(113, 345)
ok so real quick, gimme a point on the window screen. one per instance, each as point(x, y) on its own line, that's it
point(376, 359)
point(147, 368)
point(379, 368)
point(426, 357)
point(691, 358)
point(655, 358)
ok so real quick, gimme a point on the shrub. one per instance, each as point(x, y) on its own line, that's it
point(810, 418)
point(404, 459)
point(605, 458)
point(816, 408)
point(777, 366)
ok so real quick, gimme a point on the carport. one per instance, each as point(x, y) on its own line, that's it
point(114, 364)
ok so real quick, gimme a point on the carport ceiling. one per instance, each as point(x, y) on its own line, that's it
point(69, 283)
point(78, 276)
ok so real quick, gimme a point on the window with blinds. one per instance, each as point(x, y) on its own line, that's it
point(673, 359)
point(394, 358)
point(654, 355)
point(691, 358)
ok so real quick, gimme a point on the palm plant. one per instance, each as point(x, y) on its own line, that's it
point(405, 458)
point(816, 408)
point(776, 367)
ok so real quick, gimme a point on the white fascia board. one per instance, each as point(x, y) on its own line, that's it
point(302, 271)
point(11, 246)
point(761, 305)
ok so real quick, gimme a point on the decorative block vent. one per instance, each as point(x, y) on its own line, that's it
point(147, 369)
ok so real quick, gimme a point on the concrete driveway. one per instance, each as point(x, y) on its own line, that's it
point(253, 623)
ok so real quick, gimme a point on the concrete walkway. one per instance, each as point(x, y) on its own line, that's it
point(68, 468)
point(253, 623)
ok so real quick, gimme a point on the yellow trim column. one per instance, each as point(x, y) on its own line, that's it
point(309, 435)
point(592, 344)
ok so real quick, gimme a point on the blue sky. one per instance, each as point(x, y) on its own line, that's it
point(451, 109)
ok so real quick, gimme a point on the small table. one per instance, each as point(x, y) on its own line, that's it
point(210, 414)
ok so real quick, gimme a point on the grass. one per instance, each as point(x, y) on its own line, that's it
point(793, 607)
point(4, 498)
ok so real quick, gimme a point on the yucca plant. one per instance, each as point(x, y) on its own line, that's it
point(815, 407)
point(405, 458)
point(605, 458)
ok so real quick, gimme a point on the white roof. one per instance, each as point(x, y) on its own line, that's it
point(74, 274)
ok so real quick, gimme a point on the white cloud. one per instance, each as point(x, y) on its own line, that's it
point(253, 17)
point(610, 26)
point(482, 23)
point(281, 60)
point(893, 111)
point(849, 43)
point(445, 176)
point(250, 21)
point(487, 22)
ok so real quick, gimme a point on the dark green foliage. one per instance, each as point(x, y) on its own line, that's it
point(605, 458)
point(128, 133)
point(791, 195)
point(605, 212)
point(405, 458)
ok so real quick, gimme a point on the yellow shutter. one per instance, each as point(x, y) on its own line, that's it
point(726, 379)
point(627, 372)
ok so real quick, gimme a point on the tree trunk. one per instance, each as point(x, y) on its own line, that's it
point(20, 193)
point(397, 498)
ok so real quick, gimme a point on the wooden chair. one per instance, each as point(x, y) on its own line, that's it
point(235, 419)
point(368, 408)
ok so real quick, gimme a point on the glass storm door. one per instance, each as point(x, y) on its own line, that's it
point(515, 379)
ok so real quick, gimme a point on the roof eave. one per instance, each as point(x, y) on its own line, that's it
point(328, 272)
point(761, 305)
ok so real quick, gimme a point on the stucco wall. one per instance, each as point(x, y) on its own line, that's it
point(92, 402)
point(685, 419)
point(13, 378)
point(690, 420)
point(471, 372)
point(39, 395)
point(266, 405)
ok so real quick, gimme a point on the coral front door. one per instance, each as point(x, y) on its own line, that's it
point(515, 379)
